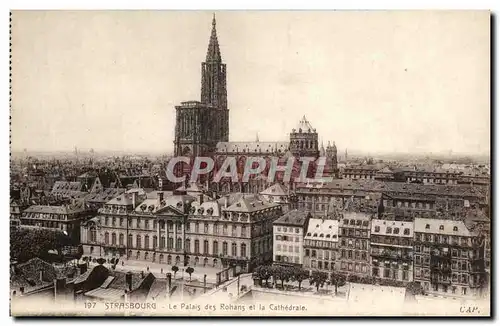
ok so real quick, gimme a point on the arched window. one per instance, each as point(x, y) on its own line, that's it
point(233, 250)
point(121, 239)
point(224, 248)
point(113, 238)
point(215, 248)
point(138, 241)
point(243, 250)
point(188, 245)
point(130, 239)
point(106, 238)
point(170, 243)
point(146, 242)
point(162, 242)
point(178, 245)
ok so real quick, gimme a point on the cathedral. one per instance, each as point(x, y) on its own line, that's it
point(202, 127)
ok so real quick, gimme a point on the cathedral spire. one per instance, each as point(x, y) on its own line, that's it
point(213, 52)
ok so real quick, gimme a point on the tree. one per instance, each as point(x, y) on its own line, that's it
point(337, 279)
point(299, 275)
point(414, 288)
point(263, 272)
point(318, 278)
point(282, 274)
point(175, 269)
point(190, 271)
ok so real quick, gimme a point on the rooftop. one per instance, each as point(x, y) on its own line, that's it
point(294, 217)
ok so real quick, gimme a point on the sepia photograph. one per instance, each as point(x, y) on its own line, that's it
point(250, 163)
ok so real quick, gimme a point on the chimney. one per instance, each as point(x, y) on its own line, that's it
point(160, 197)
point(200, 198)
point(169, 283)
point(128, 281)
point(134, 199)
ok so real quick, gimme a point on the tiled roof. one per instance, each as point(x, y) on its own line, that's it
point(392, 228)
point(154, 205)
point(276, 189)
point(250, 203)
point(325, 230)
point(294, 217)
point(444, 227)
point(73, 208)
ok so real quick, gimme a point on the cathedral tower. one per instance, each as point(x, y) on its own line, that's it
point(213, 83)
point(200, 125)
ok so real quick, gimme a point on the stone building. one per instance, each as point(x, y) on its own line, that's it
point(391, 249)
point(354, 248)
point(181, 229)
point(449, 258)
point(288, 232)
point(321, 244)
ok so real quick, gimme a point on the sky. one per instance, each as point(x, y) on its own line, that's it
point(406, 82)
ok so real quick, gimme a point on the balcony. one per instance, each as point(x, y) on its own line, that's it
point(392, 255)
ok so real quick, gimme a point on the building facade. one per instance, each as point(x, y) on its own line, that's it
point(321, 244)
point(391, 249)
point(354, 248)
point(288, 232)
point(449, 258)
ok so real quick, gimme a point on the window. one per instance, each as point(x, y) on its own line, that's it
point(93, 234)
point(138, 241)
point(307, 252)
point(377, 228)
point(146, 224)
point(106, 238)
point(455, 228)
point(441, 227)
point(205, 247)
point(138, 224)
point(427, 226)
point(129, 240)
point(395, 231)
point(196, 246)
point(197, 227)
point(187, 243)
point(155, 242)
point(121, 239)
point(224, 229)
point(146, 242)
point(170, 243)
point(313, 253)
point(205, 228)
point(297, 230)
point(224, 248)
point(388, 230)
point(243, 231)
point(178, 244)
point(233, 250)
point(243, 250)
point(215, 248)
point(406, 231)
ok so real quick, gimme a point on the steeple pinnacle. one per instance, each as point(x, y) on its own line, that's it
point(213, 52)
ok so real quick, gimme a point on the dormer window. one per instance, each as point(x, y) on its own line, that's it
point(308, 234)
point(200, 210)
point(396, 231)
point(455, 228)
point(315, 235)
point(321, 235)
point(427, 226)
point(388, 230)
point(179, 204)
point(441, 227)
point(210, 211)
point(406, 231)
point(377, 228)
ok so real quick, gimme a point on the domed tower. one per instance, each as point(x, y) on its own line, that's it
point(332, 161)
point(304, 140)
